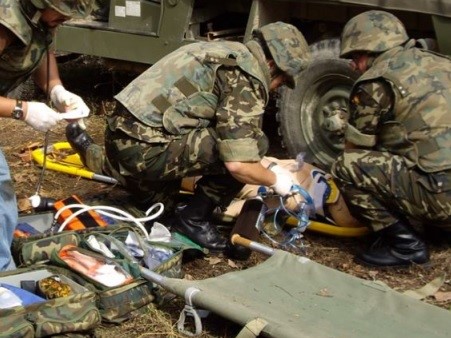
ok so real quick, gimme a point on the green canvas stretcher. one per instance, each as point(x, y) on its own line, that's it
point(292, 296)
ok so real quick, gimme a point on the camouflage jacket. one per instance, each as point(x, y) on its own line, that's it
point(23, 55)
point(418, 125)
point(179, 94)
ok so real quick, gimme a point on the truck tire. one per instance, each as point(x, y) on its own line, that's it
point(312, 117)
point(325, 49)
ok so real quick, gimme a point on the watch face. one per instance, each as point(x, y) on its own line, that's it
point(17, 113)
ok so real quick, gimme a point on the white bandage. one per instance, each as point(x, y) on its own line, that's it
point(284, 181)
point(65, 100)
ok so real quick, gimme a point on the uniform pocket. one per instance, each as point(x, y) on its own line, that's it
point(436, 182)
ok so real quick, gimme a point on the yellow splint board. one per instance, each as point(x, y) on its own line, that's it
point(69, 164)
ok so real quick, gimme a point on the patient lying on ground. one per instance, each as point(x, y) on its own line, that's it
point(328, 202)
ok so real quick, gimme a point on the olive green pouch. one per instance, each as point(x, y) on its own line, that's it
point(38, 248)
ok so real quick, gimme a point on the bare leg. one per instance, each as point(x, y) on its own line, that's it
point(337, 208)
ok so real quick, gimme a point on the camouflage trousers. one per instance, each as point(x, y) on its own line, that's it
point(381, 189)
point(153, 172)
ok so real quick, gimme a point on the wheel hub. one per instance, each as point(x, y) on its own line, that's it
point(335, 121)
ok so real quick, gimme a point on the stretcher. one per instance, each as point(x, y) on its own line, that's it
point(292, 296)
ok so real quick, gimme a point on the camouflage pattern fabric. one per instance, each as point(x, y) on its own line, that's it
point(60, 316)
point(152, 161)
point(418, 123)
point(119, 304)
point(18, 327)
point(198, 107)
point(176, 93)
point(288, 48)
point(36, 249)
point(71, 8)
point(19, 60)
point(381, 188)
point(115, 304)
point(157, 178)
point(369, 101)
point(373, 32)
point(400, 109)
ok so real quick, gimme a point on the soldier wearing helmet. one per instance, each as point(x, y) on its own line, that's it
point(198, 111)
point(395, 171)
point(26, 30)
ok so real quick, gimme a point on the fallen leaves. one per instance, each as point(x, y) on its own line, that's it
point(213, 260)
point(23, 204)
point(25, 153)
point(442, 296)
point(232, 264)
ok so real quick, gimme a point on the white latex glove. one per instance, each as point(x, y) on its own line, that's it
point(41, 117)
point(284, 181)
point(65, 100)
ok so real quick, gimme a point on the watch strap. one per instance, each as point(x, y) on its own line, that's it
point(17, 113)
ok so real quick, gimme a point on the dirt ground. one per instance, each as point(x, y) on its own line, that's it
point(96, 82)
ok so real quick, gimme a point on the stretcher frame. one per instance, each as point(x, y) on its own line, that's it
point(290, 296)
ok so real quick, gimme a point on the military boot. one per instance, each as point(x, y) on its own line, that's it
point(193, 221)
point(397, 245)
point(78, 139)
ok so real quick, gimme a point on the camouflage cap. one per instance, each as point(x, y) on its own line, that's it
point(288, 48)
point(69, 8)
point(372, 31)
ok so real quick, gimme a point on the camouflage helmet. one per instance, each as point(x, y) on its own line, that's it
point(372, 31)
point(69, 8)
point(287, 46)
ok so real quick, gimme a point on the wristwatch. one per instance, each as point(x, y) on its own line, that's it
point(17, 112)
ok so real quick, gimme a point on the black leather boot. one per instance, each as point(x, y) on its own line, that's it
point(78, 139)
point(398, 245)
point(193, 221)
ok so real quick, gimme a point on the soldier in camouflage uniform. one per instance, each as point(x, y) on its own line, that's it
point(198, 111)
point(396, 168)
point(26, 29)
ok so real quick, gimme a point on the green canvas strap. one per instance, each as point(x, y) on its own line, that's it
point(190, 311)
point(253, 328)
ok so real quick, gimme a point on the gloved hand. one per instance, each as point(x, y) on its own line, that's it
point(65, 100)
point(41, 117)
point(284, 181)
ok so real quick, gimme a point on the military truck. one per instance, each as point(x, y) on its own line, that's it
point(312, 117)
